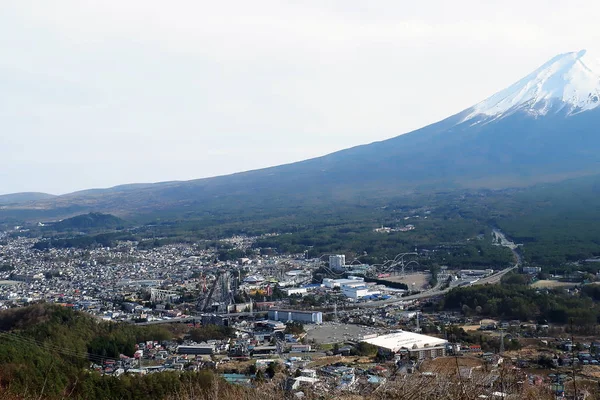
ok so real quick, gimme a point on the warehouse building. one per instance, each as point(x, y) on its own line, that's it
point(305, 317)
point(352, 280)
point(203, 349)
point(409, 343)
point(358, 291)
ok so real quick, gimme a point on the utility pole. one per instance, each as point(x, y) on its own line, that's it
point(418, 327)
point(573, 360)
point(460, 382)
point(335, 314)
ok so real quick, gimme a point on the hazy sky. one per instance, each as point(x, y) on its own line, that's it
point(106, 92)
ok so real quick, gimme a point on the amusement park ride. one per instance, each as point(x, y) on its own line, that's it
point(389, 267)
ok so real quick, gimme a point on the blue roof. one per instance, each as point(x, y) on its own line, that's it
point(238, 379)
point(235, 376)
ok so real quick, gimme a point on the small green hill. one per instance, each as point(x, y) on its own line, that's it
point(87, 222)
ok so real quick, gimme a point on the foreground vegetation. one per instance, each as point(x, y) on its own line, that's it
point(47, 350)
point(414, 387)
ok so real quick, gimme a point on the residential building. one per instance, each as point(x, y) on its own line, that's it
point(532, 270)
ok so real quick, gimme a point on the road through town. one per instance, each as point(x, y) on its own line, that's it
point(498, 236)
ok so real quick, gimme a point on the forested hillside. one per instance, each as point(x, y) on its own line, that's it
point(514, 299)
point(87, 222)
point(46, 351)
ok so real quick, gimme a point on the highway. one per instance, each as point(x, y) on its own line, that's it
point(197, 318)
point(434, 292)
point(492, 279)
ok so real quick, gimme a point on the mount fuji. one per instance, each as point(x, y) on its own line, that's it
point(569, 83)
point(545, 127)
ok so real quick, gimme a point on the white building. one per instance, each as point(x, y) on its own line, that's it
point(532, 270)
point(337, 261)
point(356, 292)
point(295, 291)
point(414, 344)
point(333, 283)
point(353, 283)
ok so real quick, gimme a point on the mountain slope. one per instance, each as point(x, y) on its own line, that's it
point(542, 128)
point(23, 197)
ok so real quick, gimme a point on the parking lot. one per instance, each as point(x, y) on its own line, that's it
point(333, 332)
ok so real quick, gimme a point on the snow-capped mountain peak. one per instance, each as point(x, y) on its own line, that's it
point(568, 83)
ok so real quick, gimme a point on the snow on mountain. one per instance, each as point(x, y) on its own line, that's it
point(568, 83)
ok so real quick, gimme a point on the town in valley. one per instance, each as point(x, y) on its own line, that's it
point(324, 322)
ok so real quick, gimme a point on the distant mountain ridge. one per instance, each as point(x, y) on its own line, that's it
point(543, 128)
point(24, 197)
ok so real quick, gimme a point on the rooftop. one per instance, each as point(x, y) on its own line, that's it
point(407, 340)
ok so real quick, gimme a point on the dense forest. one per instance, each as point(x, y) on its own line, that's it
point(555, 226)
point(514, 299)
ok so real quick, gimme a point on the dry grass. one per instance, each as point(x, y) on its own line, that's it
point(406, 387)
point(591, 371)
point(549, 284)
point(411, 387)
point(446, 388)
point(235, 365)
point(470, 328)
point(420, 280)
point(321, 362)
point(532, 352)
point(448, 365)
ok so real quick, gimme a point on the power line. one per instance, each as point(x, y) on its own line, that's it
point(85, 356)
point(55, 348)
